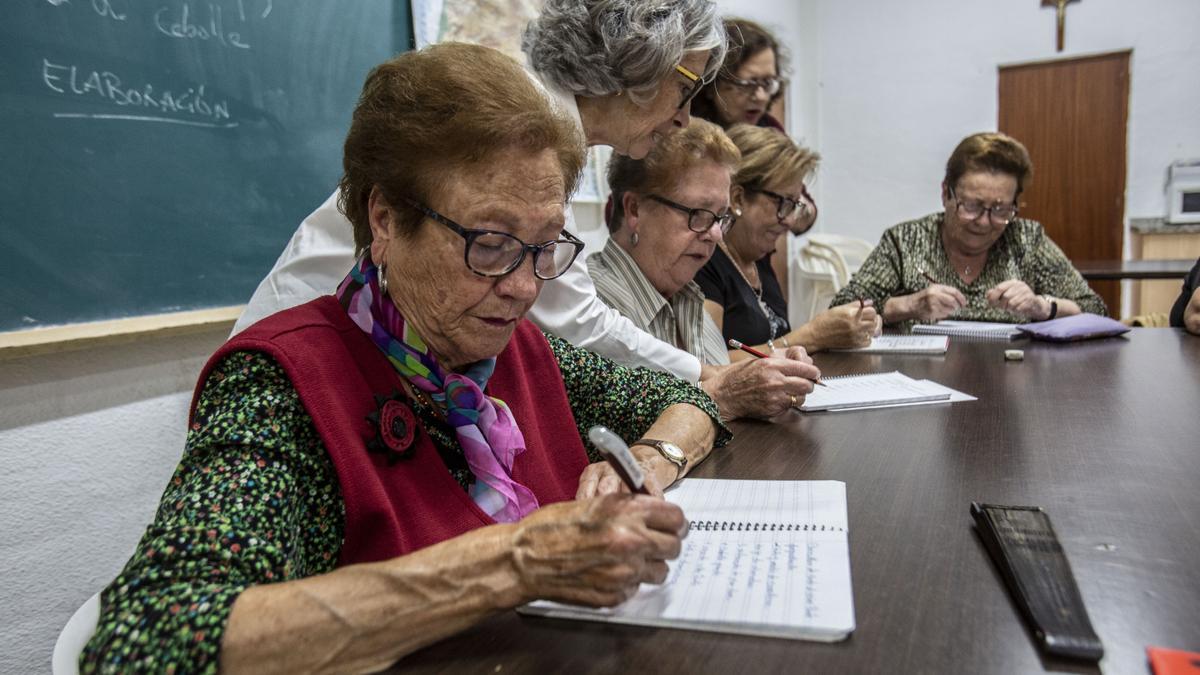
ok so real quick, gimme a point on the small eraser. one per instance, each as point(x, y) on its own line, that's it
point(1014, 355)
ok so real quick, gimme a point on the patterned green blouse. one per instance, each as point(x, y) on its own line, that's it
point(255, 499)
point(1022, 252)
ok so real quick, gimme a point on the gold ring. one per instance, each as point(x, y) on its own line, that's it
point(794, 405)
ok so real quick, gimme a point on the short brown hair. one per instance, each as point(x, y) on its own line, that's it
point(769, 158)
point(989, 151)
point(660, 169)
point(745, 39)
point(424, 114)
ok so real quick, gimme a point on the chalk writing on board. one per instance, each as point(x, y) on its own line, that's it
point(105, 9)
point(179, 23)
point(265, 4)
point(190, 104)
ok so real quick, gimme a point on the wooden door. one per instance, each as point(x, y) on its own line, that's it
point(1071, 115)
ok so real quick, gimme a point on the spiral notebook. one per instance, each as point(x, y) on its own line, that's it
point(874, 390)
point(979, 330)
point(768, 558)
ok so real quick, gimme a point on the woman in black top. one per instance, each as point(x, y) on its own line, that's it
point(742, 293)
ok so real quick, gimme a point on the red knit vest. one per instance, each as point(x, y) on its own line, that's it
point(398, 509)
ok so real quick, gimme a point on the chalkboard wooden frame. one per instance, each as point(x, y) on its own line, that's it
point(76, 336)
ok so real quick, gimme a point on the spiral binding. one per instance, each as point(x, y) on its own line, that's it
point(978, 334)
point(845, 377)
point(735, 526)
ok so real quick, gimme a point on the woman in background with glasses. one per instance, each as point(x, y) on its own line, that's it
point(379, 468)
point(749, 80)
point(748, 83)
point(670, 213)
point(975, 259)
point(743, 294)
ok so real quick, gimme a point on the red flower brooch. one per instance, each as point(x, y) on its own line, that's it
point(396, 428)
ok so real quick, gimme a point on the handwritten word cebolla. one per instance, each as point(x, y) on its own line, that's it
point(186, 28)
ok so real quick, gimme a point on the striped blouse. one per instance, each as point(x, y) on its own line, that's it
point(680, 320)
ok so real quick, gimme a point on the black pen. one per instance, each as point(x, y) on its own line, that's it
point(620, 457)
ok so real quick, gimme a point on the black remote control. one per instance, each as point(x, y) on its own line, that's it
point(1022, 542)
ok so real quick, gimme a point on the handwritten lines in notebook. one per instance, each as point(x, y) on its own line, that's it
point(779, 579)
point(777, 556)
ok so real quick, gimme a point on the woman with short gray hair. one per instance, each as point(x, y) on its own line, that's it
point(625, 71)
point(603, 48)
point(629, 67)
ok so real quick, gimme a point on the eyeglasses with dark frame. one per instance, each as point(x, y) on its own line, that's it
point(699, 220)
point(770, 85)
point(489, 253)
point(697, 85)
point(1001, 214)
point(785, 206)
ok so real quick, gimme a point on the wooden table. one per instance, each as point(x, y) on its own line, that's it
point(1105, 435)
point(1096, 270)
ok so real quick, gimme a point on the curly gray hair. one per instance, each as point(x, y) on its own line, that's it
point(603, 47)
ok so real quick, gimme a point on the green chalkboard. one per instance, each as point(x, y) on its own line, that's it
point(156, 155)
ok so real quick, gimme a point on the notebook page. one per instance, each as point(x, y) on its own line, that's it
point(765, 502)
point(783, 582)
point(762, 583)
point(904, 344)
point(933, 387)
point(868, 390)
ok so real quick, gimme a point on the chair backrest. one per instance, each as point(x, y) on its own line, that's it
point(818, 270)
point(74, 636)
point(851, 253)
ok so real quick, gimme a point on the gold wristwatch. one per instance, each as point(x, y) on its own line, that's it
point(671, 452)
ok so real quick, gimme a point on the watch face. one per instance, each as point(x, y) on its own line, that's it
point(673, 452)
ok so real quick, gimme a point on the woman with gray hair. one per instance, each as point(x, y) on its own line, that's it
point(625, 71)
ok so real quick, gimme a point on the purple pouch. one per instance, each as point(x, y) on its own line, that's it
point(1072, 328)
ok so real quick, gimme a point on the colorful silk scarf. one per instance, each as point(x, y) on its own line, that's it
point(484, 425)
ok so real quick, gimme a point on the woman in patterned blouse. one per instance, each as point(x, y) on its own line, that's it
point(375, 470)
point(975, 260)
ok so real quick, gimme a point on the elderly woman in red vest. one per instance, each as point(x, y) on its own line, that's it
point(383, 467)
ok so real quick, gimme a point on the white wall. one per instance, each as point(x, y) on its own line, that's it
point(88, 440)
point(900, 83)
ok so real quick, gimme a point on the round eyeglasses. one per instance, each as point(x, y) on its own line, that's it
point(785, 207)
point(489, 253)
point(699, 220)
point(1001, 214)
point(769, 85)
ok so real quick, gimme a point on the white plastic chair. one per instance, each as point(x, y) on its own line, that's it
point(74, 636)
point(819, 269)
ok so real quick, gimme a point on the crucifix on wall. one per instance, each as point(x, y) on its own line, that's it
point(1061, 7)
